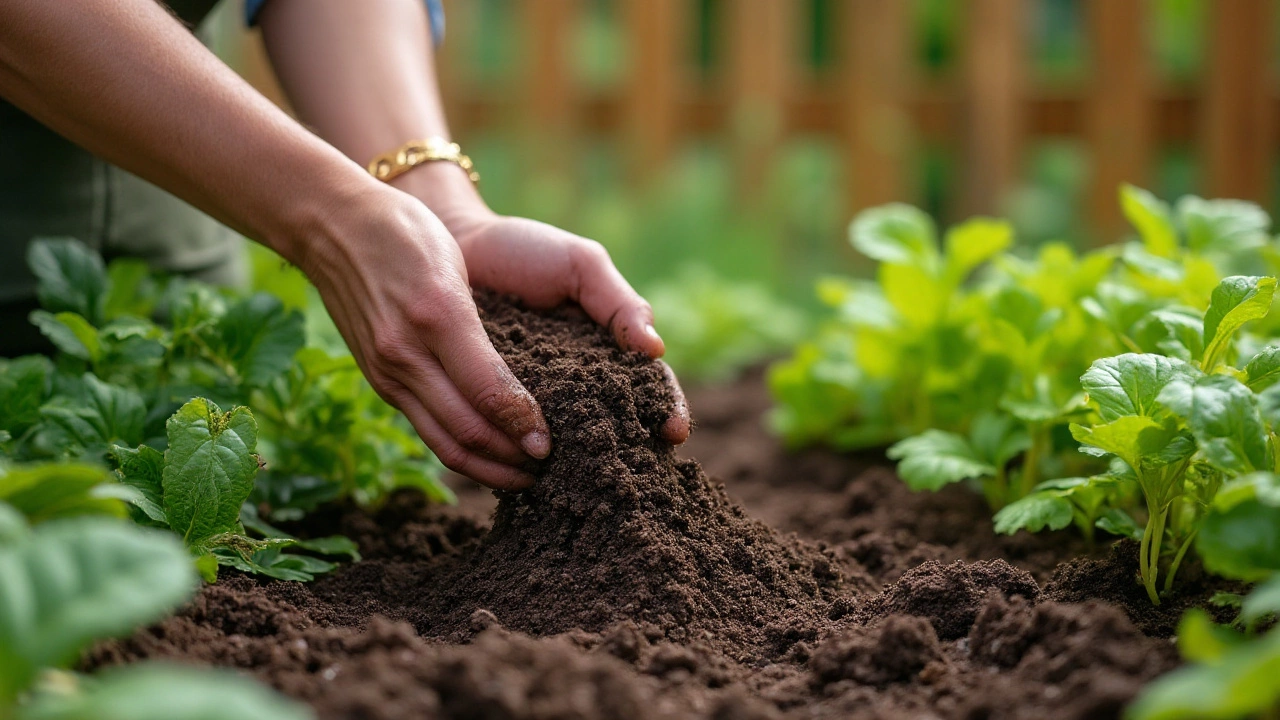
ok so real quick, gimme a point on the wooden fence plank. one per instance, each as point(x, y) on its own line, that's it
point(657, 34)
point(875, 46)
point(993, 124)
point(550, 98)
point(761, 50)
point(1239, 139)
point(1118, 120)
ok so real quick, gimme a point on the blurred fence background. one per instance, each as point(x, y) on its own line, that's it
point(743, 134)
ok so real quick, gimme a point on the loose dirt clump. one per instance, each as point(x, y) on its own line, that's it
point(949, 596)
point(896, 650)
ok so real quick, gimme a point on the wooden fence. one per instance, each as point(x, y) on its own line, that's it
point(878, 104)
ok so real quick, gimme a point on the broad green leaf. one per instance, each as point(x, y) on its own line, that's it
point(1241, 684)
point(974, 242)
point(1264, 369)
point(70, 333)
point(1240, 535)
point(1176, 332)
point(1224, 226)
point(1264, 600)
point(934, 458)
point(1223, 415)
point(997, 438)
point(1150, 216)
point(100, 415)
point(209, 469)
point(23, 383)
point(153, 691)
point(1131, 438)
point(915, 295)
point(1034, 513)
point(70, 277)
point(1236, 301)
point(1202, 640)
point(259, 337)
point(896, 233)
point(77, 580)
point(55, 490)
point(1120, 523)
point(129, 289)
point(143, 469)
point(1129, 384)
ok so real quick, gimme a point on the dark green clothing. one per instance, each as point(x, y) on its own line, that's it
point(51, 187)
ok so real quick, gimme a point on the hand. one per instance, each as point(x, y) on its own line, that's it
point(544, 266)
point(396, 285)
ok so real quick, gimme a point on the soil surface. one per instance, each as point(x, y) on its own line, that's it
point(631, 583)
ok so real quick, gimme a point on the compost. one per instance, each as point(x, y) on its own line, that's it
point(630, 583)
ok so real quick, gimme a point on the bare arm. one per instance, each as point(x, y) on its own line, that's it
point(363, 75)
point(126, 81)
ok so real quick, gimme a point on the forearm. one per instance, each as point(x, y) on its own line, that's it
point(127, 82)
point(363, 76)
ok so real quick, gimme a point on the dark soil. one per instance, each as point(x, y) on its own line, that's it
point(629, 584)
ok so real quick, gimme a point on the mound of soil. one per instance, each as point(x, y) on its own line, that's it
point(627, 584)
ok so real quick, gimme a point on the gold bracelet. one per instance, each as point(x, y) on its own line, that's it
point(389, 166)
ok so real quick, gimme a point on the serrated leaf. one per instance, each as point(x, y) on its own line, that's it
point(1176, 332)
point(1034, 513)
point(153, 691)
point(100, 414)
point(259, 337)
point(1236, 301)
point(70, 333)
point(143, 469)
point(74, 581)
point(1223, 416)
point(70, 277)
point(1130, 384)
point(209, 469)
point(934, 458)
point(1151, 217)
point(896, 233)
point(1131, 438)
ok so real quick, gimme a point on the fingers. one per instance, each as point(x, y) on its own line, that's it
point(486, 383)
point(468, 428)
point(676, 429)
point(611, 301)
point(490, 473)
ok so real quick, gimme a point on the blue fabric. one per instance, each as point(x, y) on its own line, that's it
point(435, 13)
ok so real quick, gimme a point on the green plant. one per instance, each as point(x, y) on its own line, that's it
point(73, 580)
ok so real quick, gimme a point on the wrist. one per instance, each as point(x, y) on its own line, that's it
point(448, 192)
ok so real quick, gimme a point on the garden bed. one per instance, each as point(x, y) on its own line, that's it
point(630, 583)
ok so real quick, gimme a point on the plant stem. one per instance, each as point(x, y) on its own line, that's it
point(1150, 548)
point(1177, 560)
point(1031, 462)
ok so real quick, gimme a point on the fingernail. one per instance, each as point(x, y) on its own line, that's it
point(537, 444)
point(651, 332)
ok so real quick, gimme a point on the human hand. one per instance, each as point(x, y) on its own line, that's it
point(545, 266)
point(396, 285)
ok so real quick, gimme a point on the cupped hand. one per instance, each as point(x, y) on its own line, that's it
point(396, 285)
point(544, 266)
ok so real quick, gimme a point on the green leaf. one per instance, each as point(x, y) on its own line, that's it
point(1120, 523)
point(1151, 218)
point(99, 414)
point(1264, 369)
point(896, 233)
point(13, 526)
point(143, 469)
point(1223, 416)
point(1240, 534)
point(934, 458)
point(1225, 226)
point(1241, 684)
point(974, 242)
point(55, 490)
point(128, 289)
point(23, 383)
point(1264, 600)
point(1236, 301)
point(1202, 640)
point(997, 438)
point(70, 277)
point(1131, 438)
point(209, 469)
point(1176, 332)
point(70, 333)
point(1034, 513)
point(153, 691)
point(207, 566)
point(259, 337)
point(1130, 384)
point(74, 581)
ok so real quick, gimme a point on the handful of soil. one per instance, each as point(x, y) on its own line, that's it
point(616, 527)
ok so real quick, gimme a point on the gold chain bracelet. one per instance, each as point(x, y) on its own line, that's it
point(391, 165)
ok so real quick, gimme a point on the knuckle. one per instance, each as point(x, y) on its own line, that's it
point(454, 457)
point(474, 435)
point(592, 253)
point(392, 349)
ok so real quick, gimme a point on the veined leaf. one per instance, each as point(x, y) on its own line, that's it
point(103, 414)
point(1223, 416)
point(1225, 226)
point(70, 277)
point(1034, 513)
point(260, 338)
point(143, 469)
point(70, 333)
point(1130, 384)
point(1236, 300)
point(1264, 369)
point(73, 581)
point(934, 458)
point(1150, 216)
point(1130, 438)
point(896, 233)
point(208, 470)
